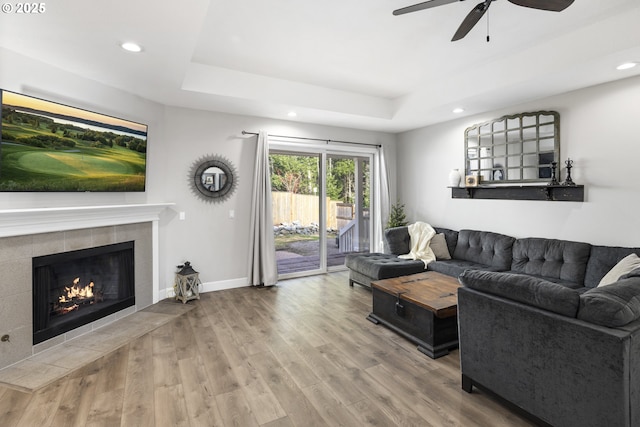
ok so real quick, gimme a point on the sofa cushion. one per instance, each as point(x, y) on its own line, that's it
point(613, 305)
point(398, 240)
point(439, 247)
point(383, 266)
point(550, 258)
point(485, 248)
point(525, 289)
point(625, 266)
point(602, 259)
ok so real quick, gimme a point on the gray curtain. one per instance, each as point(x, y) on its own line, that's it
point(263, 270)
point(381, 200)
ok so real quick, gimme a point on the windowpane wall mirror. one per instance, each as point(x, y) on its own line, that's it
point(517, 148)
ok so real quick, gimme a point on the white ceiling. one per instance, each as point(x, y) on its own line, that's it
point(335, 62)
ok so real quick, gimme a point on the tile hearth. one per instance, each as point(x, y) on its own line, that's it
point(50, 365)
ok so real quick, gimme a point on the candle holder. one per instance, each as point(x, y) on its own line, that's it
point(569, 181)
point(554, 180)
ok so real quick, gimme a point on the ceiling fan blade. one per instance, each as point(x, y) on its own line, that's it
point(471, 20)
point(424, 5)
point(550, 5)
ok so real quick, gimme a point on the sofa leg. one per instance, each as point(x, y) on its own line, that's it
point(351, 283)
point(467, 383)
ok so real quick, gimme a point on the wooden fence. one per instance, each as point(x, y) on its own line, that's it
point(304, 208)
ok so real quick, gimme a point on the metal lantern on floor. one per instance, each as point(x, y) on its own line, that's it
point(186, 283)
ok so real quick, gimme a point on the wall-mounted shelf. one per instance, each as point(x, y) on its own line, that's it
point(561, 193)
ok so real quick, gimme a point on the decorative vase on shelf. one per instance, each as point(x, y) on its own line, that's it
point(454, 178)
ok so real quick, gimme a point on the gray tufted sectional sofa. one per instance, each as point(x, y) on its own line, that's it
point(536, 330)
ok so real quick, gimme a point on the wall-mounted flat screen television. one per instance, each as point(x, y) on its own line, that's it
point(46, 146)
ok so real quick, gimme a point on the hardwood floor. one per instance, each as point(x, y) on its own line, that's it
point(299, 354)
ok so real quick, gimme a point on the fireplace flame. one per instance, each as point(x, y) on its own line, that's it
point(76, 291)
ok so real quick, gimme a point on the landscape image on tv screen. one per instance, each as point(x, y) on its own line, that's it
point(46, 146)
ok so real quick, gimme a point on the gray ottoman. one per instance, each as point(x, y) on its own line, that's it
point(366, 268)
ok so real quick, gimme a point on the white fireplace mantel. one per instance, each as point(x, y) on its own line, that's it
point(20, 222)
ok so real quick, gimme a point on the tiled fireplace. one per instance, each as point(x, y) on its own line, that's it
point(25, 239)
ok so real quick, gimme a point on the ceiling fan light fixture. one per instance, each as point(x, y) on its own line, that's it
point(626, 66)
point(131, 47)
point(481, 8)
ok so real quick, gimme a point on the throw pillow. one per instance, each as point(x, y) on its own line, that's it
point(625, 266)
point(439, 247)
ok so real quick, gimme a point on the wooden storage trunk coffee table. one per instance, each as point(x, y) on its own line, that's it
point(421, 307)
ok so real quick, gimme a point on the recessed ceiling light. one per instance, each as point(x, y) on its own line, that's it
point(292, 114)
point(626, 66)
point(458, 110)
point(131, 47)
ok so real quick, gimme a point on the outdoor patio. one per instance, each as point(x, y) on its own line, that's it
point(305, 255)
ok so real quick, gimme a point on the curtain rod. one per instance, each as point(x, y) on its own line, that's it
point(244, 132)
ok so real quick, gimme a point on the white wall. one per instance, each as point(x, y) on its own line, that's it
point(23, 75)
point(216, 245)
point(600, 131)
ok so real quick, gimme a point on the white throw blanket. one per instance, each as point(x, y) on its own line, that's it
point(420, 234)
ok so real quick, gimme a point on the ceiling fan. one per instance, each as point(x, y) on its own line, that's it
point(481, 8)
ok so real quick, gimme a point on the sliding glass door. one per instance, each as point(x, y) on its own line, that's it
point(348, 194)
point(295, 196)
point(321, 203)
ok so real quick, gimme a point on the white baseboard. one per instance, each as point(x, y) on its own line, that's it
point(224, 284)
point(210, 287)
